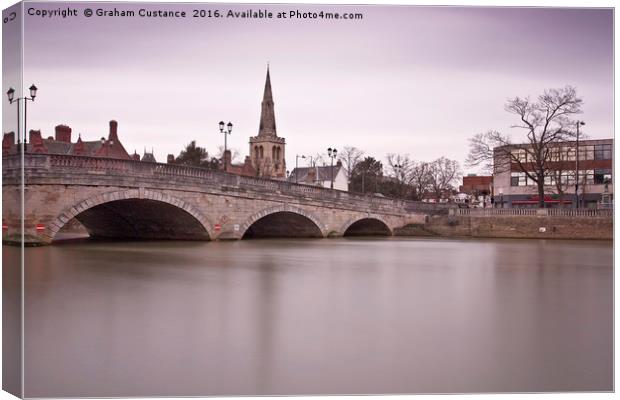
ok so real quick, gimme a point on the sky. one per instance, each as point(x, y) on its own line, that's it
point(404, 79)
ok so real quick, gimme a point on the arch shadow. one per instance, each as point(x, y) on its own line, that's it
point(367, 226)
point(136, 214)
point(283, 222)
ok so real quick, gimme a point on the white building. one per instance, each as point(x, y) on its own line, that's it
point(320, 176)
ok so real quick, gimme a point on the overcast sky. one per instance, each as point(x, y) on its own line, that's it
point(404, 79)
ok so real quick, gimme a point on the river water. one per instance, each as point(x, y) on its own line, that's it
point(326, 316)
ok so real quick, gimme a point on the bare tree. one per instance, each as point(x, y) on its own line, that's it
point(399, 166)
point(443, 174)
point(318, 160)
point(546, 123)
point(349, 157)
point(419, 179)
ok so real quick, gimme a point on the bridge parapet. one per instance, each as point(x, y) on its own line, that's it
point(85, 165)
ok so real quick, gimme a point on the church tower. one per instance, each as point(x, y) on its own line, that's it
point(267, 149)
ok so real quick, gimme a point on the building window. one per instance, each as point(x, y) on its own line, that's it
point(601, 176)
point(518, 179)
point(519, 154)
point(586, 176)
point(602, 152)
point(550, 180)
point(586, 152)
point(567, 178)
point(568, 154)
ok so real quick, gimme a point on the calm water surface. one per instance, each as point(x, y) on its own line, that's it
point(318, 316)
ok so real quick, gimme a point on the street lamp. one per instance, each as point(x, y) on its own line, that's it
point(297, 157)
point(398, 168)
point(226, 133)
point(332, 153)
point(11, 96)
point(577, 166)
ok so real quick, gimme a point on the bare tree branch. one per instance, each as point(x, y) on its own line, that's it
point(547, 124)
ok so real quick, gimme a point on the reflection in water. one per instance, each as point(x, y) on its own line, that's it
point(318, 316)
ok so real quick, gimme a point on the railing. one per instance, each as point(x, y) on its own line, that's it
point(70, 163)
point(496, 211)
point(580, 212)
point(551, 212)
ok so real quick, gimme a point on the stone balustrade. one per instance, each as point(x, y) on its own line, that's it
point(129, 168)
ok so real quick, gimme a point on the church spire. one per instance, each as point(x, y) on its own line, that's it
point(267, 117)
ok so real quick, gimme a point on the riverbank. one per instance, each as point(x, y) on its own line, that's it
point(513, 226)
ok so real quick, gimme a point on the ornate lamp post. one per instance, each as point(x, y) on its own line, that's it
point(577, 166)
point(226, 133)
point(398, 169)
point(11, 96)
point(332, 153)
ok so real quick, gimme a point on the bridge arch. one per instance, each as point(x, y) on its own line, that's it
point(369, 225)
point(300, 223)
point(196, 222)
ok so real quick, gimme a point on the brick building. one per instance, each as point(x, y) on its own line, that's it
point(61, 143)
point(477, 185)
point(513, 188)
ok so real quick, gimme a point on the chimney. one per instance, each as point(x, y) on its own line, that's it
point(8, 140)
point(170, 159)
point(113, 134)
point(34, 136)
point(63, 133)
point(36, 142)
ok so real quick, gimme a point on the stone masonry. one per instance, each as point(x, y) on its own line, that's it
point(150, 200)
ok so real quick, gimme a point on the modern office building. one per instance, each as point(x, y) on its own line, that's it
point(592, 170)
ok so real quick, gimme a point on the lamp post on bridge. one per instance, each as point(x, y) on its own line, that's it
point(297, 157)
point(11, 96)
point(332, 153)
point(226, 133)
point(398, 169)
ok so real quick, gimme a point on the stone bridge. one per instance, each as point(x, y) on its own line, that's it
point(138, 200)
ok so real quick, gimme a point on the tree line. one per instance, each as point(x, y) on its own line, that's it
point(542, 156)
point(402, 176)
